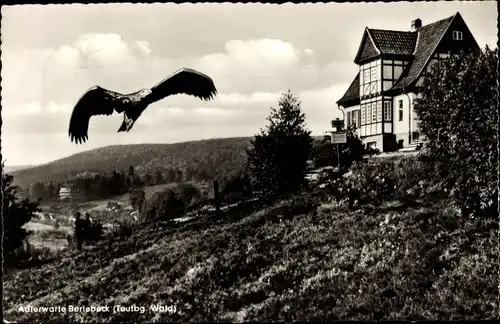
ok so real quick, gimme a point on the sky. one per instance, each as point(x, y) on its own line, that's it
point(52, 54)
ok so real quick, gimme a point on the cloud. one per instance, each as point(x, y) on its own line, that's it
point(41, 87)
point(62, 74)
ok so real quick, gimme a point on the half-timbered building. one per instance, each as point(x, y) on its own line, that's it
point(392, 65)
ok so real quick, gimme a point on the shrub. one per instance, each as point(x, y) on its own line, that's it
point(124, 228)
point(188, 193)
point(325, 153)
point(15, 214)
point(94, 232)
point(458, 114)
point(26, 255)
point(164, 205)
point(237, 188)
point(373, 182)
point(137, 197)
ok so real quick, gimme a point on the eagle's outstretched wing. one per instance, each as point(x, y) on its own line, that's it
point(184, 81)
point(96, 101)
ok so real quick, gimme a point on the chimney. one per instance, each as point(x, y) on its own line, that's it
point(416, 24)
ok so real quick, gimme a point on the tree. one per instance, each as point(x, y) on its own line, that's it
point(179, 176)
point(170, 175)
point(147, 179)
point(137, 198)
point(37, 191)
point(16, 213)
point(277, 160)
point(458, 114)
point(158, 177)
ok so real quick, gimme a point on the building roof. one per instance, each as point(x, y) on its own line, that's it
point(429, 37)
point(394, 42)
point(352, 93)
point(419, 44)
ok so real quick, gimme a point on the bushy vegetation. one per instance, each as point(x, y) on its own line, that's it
point(15, 213)
point(237, 188)
point(278, 157)
point(458, 114)
point(170, 203)
point(137, 198)
point(325, 153)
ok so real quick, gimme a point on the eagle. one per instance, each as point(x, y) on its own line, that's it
point(100, 101)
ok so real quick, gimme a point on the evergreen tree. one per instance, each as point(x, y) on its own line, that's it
point(277, 160)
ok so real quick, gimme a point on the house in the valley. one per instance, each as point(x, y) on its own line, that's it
point(65, 193)
point(392, 65)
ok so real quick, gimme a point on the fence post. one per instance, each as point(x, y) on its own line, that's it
point(338, 156)
point(217, 197)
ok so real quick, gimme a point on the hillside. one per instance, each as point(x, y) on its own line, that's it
point(13, 168)
point(215, 156)
point(298, 259)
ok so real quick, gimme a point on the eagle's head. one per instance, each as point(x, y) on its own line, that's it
point(144, 93)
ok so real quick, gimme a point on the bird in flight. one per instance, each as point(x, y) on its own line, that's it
point(100, 101)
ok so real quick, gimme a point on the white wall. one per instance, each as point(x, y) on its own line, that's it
point(401, 127)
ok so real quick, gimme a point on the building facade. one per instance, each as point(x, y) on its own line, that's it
point(65, 193)
point(392, 65)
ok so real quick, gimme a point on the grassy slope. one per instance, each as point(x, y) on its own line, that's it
point(291, 261)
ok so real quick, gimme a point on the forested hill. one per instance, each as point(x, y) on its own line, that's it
point(206, 159)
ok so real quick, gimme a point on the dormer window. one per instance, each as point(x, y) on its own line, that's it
point(457, 35)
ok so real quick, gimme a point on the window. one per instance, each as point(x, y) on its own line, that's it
point(387, 111)
point(388, 72)
point(368, 113)
point(374, 112)
point(400, 110)
point(397, 72)
point(387, 85)
point(367, 76)
point(457, 35)
point(373, 74)
point(379, 111)
point(363, 114)
point(348, 118)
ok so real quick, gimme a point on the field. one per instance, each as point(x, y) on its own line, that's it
point(300, 258)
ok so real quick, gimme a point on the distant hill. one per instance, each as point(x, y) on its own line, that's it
point(12, 168)
point(216, 157)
